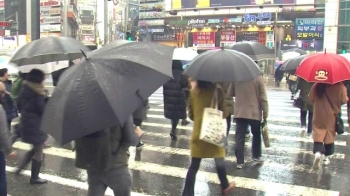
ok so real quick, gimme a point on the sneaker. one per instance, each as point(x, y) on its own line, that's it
point(257, 161)
point(239, 166)
point(326, 160)
point(303, 128)
point(230, 188)
point(316, 164)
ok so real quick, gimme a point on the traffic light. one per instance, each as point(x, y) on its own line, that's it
point(343, 50)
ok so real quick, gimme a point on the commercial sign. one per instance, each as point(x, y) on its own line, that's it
point(204, 40)
point(151, 15)
point(178, 23)
point(180, 4)
point(51, 19)
point(163, 38)
point(50, 35)
point(197, 22)
point(86, 7)
point(309, 28)
point(87, 27)
point(2, 5)
point(155, 30)
point(50, 28)
point(225, 20)
point(313, 45)
point(259, 19)
point(49, 3)
point(151, 23)
point(47, 11)
point(88, 40)
point(227, 37)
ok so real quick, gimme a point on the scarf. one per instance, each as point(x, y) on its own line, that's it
point(38, 88)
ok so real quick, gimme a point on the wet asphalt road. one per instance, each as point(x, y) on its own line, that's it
point(159, 168)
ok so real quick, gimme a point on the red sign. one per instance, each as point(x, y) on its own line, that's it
point(262, 37)
point(204, 40)
point(228, 37)
point(49, 3)
point(4, 23)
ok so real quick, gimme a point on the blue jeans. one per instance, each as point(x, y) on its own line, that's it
point(3, 186)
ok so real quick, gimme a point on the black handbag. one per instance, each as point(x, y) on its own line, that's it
point(339, 124)
point(298, 103)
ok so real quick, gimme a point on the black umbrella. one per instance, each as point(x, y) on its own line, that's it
point(49, 49)
point(300, 51)
point(105, 88)
point(293, 63)
point(254, 50)
point(222, 66)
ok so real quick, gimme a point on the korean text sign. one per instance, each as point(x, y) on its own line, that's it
point(204, 40)
point(309, 28)
point(228, 37)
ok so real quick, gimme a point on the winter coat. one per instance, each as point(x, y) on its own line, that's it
point(279, 73)
point(228, 98)
point(174, 96)
point(31, 104)
point(9, 104)
point(5, 145)
point(323, 119)
point(141, 112)
point(251, 99)
point(196, 104)
point(305, 88)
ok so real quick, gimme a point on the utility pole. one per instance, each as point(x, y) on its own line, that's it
point(105, 22)
point(35, 16)
point(65, 18)
point(17, 30)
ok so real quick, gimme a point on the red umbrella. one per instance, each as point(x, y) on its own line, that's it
point(324, 68)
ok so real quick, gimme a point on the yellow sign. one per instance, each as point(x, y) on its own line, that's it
point(180, 4)
point(87, 28)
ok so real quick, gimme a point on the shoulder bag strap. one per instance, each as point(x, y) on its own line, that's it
point(330, 103)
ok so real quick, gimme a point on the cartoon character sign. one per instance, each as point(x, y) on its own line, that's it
point(321, 75)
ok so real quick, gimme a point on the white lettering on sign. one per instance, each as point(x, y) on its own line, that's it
point(47, 11)
point(50, 28)
point(196, 21)
point(52, 19)
point(49, 3)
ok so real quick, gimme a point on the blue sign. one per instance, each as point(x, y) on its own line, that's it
point(259, 19)
point(309, 28)
point(307, 45)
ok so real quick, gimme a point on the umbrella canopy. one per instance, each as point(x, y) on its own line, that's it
point(254, 50)
point(346, 55)
point(222, 66)
point(300, 51)
point(289, 55)
point(324, 68)
point(48, 49)
point(293, 63)
point(106, 88)
point(184, 54)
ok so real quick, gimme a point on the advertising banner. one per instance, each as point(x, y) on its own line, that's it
point(309, 28)
point(204, 40)
point(52, 19)
point(228, 37)
point(87, 27)
point(2, 5)
point(50, 28)
point(179, 4)
point(49, 3)
point(313, 45)
point(47, 11)
point(151, 22)
point(88, 40)
point(151, 15)
point(50, 35)
point(163, 38)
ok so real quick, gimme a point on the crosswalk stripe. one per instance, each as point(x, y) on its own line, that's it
point(242, 182)
point(66, 181)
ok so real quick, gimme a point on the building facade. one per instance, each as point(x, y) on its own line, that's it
point(11, 7)
point(87, 17)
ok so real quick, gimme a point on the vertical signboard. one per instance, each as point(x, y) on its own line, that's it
point(227, 37)
point(204, 40)
point(309, 28)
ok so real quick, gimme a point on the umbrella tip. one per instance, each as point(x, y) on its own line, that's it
point(84, 54)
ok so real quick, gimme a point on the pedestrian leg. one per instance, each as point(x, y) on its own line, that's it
point(255, 126)
point(138, 123)
point(36, 165)
point(25, 161)
point(9, 122)
point(174, 123)
point(348, 111)
point(309, 122)
point(241, 128)
point(96, 186)
point(191, 177)
point(329, 150)
point(228, 121)
point(112, 180)
point(319, 150)
point(303, 119)
point(3, 185)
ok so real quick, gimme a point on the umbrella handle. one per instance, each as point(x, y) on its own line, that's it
point(139, 95)
point(84, 54)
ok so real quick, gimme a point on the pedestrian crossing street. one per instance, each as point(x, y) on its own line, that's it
point(160, 166)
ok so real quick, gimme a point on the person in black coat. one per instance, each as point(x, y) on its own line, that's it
point(279, 75)
point(31, 103)
point(138, 116)
point(174, 97)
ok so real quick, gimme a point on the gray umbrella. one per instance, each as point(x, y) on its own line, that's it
point(48, 49)
point(300, 51)
point(293, 63)
point(106, 88)
point(222, 66)
point(254, 50)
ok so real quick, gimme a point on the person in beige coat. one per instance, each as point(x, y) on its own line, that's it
point(251, 108)
point(324, 118)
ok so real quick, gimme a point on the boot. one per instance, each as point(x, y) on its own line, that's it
point(173, 134)
point(34, 179)
point(25, 161)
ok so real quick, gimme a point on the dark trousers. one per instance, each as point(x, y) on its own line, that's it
point(9, 126)
point(3, 185)
point(348, 110)
point(228, 121)
point(174, 123)
point(137, 122)
point(303, 115)
point(241, 129)
point(326, 149)
point(192, 172)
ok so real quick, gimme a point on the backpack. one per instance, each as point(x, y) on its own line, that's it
point(95, 152)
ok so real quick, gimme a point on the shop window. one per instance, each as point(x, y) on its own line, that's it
point(344, 17)
point(343, 34)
